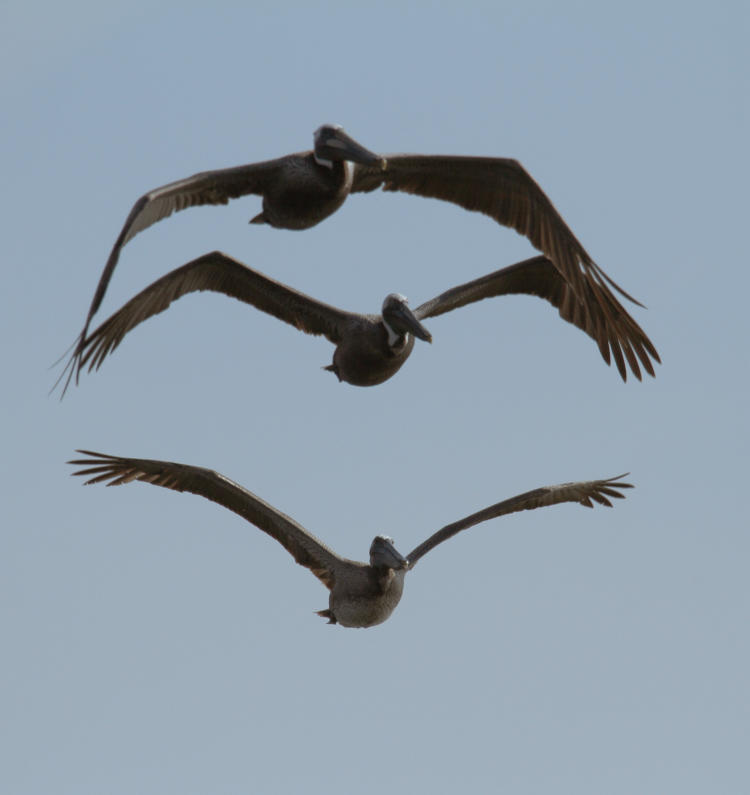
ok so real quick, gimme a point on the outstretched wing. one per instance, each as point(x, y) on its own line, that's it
point(207, 187)
point(307, 550)
point(584, 492)
point(219, 273)
point(538, 276)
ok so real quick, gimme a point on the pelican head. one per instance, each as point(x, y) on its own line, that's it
point(383, 553)
point(399, 320)
point(332, 143)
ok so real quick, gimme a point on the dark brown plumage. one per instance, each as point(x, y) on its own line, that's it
point(300, 190)
point(361, 594)
point(366, 353)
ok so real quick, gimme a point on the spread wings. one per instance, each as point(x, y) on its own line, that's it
point(584, 492)
point(496, 186)
point(219, 273)
point(538, 276)
point(307, 550)
point(206, 187)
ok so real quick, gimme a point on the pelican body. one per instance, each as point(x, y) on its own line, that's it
point(301, 190)
point(364, 357)
point(366, 595)
point(361, 594)
point(371, 348)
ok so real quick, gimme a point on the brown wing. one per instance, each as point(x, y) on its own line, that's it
point(496, 186)
point(307, 550)
point(502, 189)
point(219, 273)
point(538, 276)
point(206, 187)
point(583, 492)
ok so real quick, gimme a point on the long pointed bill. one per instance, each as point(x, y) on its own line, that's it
point(393, 557)
point(400, 317)
point(335, 144)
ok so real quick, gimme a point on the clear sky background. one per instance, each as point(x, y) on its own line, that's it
point(155, 643)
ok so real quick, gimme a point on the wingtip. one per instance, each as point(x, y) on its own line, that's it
point(72, 366)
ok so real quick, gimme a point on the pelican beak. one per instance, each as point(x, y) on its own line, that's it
point(401, 561)
point(337, 145)
point(403, 318)
point(384, 553)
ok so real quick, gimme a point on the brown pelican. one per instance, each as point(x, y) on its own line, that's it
point(362, 594)
point(369, 348)
point(302, 189)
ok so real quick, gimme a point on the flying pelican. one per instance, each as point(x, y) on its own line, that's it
point(370, 348)
point(300, 190)
point(362, 594)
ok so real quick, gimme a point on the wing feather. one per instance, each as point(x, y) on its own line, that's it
point(598, 316)
point(304, 547)
point(583, 492)
point(219, 273)
point(206, 187)
point(498, 187)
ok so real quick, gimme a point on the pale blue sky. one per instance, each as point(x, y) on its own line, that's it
point(156, 643)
